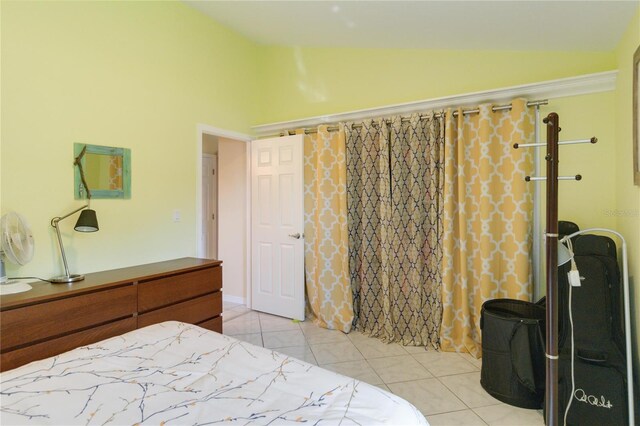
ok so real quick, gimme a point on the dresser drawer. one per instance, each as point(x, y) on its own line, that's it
point(18, 357)
point(162, 292)
point(31, 324)
point(192, 311)
point(212, 324)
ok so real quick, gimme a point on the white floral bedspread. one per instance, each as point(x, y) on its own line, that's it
point(175, 373)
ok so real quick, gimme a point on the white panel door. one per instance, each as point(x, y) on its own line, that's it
point(277, 224)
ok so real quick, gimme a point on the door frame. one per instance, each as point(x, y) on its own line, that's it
point(201, 130)
point(212, 188)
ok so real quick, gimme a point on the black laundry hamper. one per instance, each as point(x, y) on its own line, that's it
point(513, 360)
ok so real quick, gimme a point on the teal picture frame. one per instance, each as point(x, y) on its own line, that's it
point(100, 193)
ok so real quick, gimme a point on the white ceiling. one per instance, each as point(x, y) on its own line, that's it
point(491, 25)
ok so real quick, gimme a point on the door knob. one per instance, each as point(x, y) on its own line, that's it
point(296, 235)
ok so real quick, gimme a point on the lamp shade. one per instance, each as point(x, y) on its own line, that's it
point(564, 255)
point(87, 222)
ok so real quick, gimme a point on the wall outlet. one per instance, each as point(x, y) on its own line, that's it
point(177, 216)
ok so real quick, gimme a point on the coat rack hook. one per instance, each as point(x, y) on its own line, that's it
point(575, 177)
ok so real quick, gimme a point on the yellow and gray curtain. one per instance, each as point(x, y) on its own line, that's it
point(329, 300)
point(487, 217)
point(394, 199)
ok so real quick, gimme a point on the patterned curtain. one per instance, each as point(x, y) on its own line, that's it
point(487, 218)
point(325, 230)
point(394, 199)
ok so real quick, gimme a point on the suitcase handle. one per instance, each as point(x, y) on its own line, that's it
point(592, 357)
point(524, 367)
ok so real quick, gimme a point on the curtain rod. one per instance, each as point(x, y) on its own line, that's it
point(404, 120)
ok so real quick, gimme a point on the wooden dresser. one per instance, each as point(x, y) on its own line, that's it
point(54, 318)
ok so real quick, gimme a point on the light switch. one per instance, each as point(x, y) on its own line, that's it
point(177, 216)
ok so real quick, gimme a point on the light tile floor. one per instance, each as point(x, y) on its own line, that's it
point(444, 386)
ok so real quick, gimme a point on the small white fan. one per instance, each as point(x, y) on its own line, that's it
point(16, 243)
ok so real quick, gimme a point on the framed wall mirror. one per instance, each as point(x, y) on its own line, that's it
point(107, 171)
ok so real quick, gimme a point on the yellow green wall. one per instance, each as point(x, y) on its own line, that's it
point(306, 82)
point(591, 201)
point(627, 194)
point(139, 75)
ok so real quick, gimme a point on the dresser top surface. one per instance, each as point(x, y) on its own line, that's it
point(45, 291)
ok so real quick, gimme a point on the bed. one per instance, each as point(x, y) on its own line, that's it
point(177, 373)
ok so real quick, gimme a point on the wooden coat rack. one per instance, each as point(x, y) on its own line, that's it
point(552, 122)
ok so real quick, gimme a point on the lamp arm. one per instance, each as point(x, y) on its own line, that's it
point(586, 231)
point(54, 223)
point(55, 220)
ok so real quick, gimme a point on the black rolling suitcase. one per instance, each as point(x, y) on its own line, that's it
point(599, 395)
point(513, 351)
point(566, 228)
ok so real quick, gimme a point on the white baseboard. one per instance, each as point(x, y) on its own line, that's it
point(233, 299)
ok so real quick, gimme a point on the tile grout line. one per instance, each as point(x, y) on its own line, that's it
point(386, 384)
point(456, 395)
point(261, 334)
point(459, 411)
point(451, 390)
